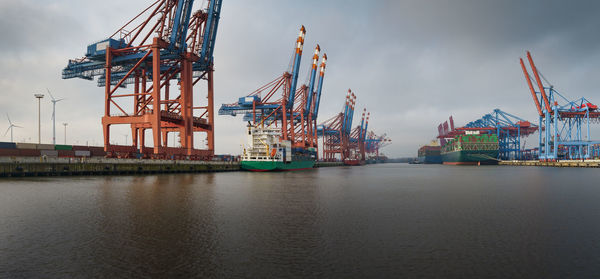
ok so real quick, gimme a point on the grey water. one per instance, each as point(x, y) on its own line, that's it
point(374, 221)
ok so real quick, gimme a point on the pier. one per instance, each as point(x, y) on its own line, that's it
point(39, 166)
point(561, 164)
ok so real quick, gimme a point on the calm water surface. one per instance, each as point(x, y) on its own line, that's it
point(391, 220)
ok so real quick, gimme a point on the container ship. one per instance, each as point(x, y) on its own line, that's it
point(268, 152)
point(471, 149)
point(429, 154)
point(355, 159)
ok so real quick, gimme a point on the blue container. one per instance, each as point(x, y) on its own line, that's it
point(8, 145)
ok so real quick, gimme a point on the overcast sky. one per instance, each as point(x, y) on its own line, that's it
point(411, 63)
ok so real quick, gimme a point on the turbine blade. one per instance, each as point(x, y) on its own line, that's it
point(8, 119)
point(6, 131)
point(50, 94)
point(17, 126)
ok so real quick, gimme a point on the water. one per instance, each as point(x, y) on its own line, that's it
point(391, 220)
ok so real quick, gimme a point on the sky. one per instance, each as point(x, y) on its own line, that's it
point(411, 63)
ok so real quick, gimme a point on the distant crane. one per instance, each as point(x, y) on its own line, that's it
point(10, 127)
point(336, 131)
point(374, 143)
point(54, 101)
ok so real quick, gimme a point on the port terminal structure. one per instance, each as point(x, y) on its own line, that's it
point(282, 104)
point(166, 44)
point(565, 123)
point(341, 142)
point(374, 143)
point(509, 128)
point(335, 132)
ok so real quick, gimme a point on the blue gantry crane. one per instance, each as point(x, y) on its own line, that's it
point(565, 123)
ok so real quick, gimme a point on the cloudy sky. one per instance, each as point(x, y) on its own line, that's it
point(412, 63)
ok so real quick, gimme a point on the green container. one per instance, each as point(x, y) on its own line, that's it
point(63, 147)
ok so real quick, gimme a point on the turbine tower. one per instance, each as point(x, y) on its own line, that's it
point(11, 128)
point(54, 101)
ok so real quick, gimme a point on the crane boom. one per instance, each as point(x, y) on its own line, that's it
point(296, 68)
point(535, 99)
point(313, 73)
point(320, 86)
point(539, 82)
point(210, 32)
point(180, 25)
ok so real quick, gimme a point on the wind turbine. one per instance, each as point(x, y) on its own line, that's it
point(10, 128)
point(54, 101)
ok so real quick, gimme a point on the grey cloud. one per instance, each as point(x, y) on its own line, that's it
point(413, 63)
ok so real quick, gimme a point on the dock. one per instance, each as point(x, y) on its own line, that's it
point(40, 166)
point(559, 164)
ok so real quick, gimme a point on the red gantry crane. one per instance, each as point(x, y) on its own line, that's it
point(166, 44)
point(336, 132)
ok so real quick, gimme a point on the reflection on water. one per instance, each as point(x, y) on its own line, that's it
point(388, 220)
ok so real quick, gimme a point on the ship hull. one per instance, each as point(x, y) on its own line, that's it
point(262, 166)
point(433, 159)
point(354, 162)
point(470, 157)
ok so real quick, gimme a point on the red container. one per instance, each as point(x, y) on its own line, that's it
point(80, 147)
point(29, 152)
point(9, 152)
point(95, 149)
point(98, 153)
point(66, 153)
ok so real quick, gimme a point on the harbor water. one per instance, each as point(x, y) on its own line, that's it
point(374, 221)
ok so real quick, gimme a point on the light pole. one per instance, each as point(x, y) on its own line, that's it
point(65, 124)
point(39, 97)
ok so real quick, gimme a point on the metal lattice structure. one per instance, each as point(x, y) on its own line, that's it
point(335, 132)
point(280, 103)
point(373, 143)
point(341, 142)
point(565, 123)
point(165, 44)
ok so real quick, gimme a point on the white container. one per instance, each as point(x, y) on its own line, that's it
point(22, 145)
point(82, 153)
point(45, 146)
point(49, 153)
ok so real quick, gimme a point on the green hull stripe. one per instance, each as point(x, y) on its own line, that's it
point(470, 156)
point(275, 165)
